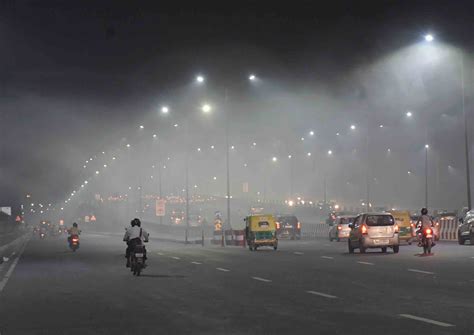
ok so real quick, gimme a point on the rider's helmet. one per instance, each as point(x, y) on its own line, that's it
point(136, 222)
point(74, 224)
point(424, 211)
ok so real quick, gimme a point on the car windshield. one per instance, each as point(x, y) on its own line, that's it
point(379, 220)
point(346, 220)
point(288, 219)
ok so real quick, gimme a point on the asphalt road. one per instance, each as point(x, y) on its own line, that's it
point(304, 287)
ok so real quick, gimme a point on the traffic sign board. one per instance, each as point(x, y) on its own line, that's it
point(160, 207)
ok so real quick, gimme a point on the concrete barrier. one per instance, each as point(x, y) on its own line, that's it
point(448, 227)
point(314, 230)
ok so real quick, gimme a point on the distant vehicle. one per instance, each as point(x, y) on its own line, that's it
point(466, 228)
point(373, 230)
point(288, 226)
point(74, 242)
point(195, 220)
point(340, 229)
point(177, 217)
point(260, 230)
point(404, 223)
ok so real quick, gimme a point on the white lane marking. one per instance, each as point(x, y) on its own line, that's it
point(322, 294)
point(327, 257)
point(433, 322)
point(161, 254)
point(4, 281)
point(366, 263)
point(262, 279)
point(174, 257)
point(298, 253)
point(223, 270)
point(197, 263)
point(421, 271)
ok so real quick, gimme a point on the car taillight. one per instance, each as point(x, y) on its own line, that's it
point(396, 228)
point(363, 229)
point(339, 227)
point(278, 225)
point(428, 231)
point(298, 225)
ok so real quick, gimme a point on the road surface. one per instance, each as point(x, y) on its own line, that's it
point(304, 287)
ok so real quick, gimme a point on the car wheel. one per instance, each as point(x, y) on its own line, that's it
point(330, 238)
point(471, 239)
point(349, 245)
point(396, 249)
point(461, 241)
point(384, 250)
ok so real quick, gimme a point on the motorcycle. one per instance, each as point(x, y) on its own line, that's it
point(425, 236)
point(74, 242)
point(137, 259)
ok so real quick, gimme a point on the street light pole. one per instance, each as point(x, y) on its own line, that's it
point(227, 116)
point(187, 180)
point(426, 175)
point(466, 138)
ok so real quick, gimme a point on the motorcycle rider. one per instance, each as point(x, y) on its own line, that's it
point(74, 230)
point(424, 222)
point(134, 236)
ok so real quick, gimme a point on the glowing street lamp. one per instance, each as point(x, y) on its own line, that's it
point(409, 114)
point(353, 127)
point(206, 108)
point(329, 152)
point(429, 38)
point(252, 77)
point(311, 133)
point(199, 79)
point(165, 110)
point(274, 159)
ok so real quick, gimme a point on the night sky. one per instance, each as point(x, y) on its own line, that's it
point(76, 75)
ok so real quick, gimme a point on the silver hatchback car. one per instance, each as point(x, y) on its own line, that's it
point(373, 230)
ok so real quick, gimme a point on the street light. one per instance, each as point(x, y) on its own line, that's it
point(252, 77)
point(353, 127)
point(429, 38)
point(206, 108)
point(274, 159)
point(199, 79)
point(311, 133)
point(165, 110)
point(409, 114)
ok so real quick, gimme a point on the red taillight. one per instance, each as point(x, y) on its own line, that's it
point(396, 228)
point(363, 229)
point(298, 225)
point(428, 231)
point(278, 225)
point(339, 227)
point(75, 240)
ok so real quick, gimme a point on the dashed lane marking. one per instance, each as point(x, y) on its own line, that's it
point(4, 281)
point(327, 257)
point(433, 322)
point(197, 263)
point(298, 253)
point(329, 296)
point(365, 263)
point(160, 253)
point(262, 279)
point(174, 257)
point(223, 270)
point(421, 271)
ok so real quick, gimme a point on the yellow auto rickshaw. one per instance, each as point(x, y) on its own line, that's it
point(402, 218)
point(260, 230)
